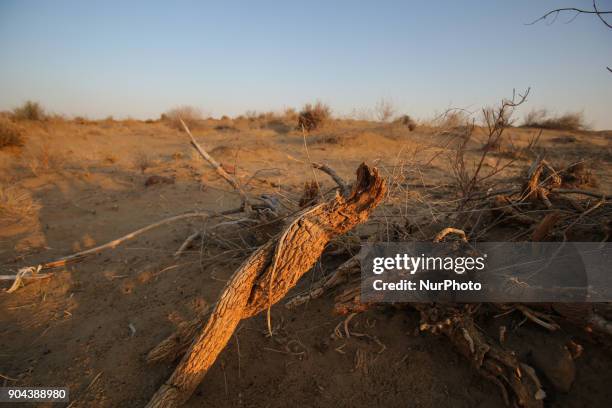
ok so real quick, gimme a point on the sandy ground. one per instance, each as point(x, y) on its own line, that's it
point(86, 185)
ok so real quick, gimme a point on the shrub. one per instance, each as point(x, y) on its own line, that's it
point(29, 111)
point(384, 110)
point(42, 160)
point(406, 120)
point(568, 121)
point(452, 119)
point(81, 120)
point(290, 114)
point(190, 115)
point(10, 133)
point(142, 161)
point(314, 116)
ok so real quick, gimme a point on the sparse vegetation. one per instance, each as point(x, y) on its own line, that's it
point(142, 160)
point(406, 120)
point(190, 115)
point(312, 117)
point(81, 120)
point(29, 111)
point(451, 119)
point(10, 133)
point(41, 159)
point(290, 114)
point(541, 119)
point(384, 110)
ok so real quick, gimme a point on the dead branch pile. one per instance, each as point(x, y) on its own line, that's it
point(549, 203)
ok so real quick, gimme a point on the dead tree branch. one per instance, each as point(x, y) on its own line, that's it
point(116, 242)
point(218, 168)
point(266, 276)
point(555, 13)
point(344, 188)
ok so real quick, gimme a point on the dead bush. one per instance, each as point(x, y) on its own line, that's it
point(470, 176)
point(406, 120)
point(541, 119)
point(312, 117)
point(142, 161)
point(453, 119)
point(190, 115)
point(578, 175)
point(16, 205)
point(29, 111)
point(10, 133)
point(41, 160)
point(384, 110)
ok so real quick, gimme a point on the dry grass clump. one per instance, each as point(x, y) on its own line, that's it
point(41, 160)
point(541, 119)
point(10, 133)
point(16, 205)
point(406, 120)
point(312, 117)
point(29, 111)
point(190, 115)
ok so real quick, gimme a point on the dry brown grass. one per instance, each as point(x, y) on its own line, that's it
point(570, 121)
point(312, 117)
point(10, 133)
point(190, 115)
point(41, 160)
point(16, 205)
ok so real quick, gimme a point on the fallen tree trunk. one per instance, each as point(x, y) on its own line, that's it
point(267, 275)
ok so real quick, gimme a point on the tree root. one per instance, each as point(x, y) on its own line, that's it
point(491, 361)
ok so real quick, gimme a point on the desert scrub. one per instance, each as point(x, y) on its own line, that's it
point(406, 120)
point(142, 161)
point(312, 117)
point(10, 133)
point(29, 111)
point(42, 160)
point(384, 110)
point(190, 115)
point(541, 119)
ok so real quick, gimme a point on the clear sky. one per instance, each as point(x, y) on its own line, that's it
point(140, 58)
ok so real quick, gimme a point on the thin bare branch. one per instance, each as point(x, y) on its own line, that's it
point(218, 168)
